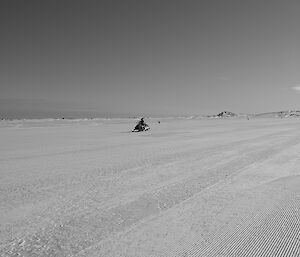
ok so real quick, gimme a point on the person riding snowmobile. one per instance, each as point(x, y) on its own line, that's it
point(141, 126)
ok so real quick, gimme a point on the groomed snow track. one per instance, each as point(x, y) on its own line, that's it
point(185, 188)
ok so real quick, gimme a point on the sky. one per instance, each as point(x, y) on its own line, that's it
point(167, 57)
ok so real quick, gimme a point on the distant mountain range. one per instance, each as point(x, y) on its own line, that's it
point(281, 114)
point(227, 114)
point(221, 115)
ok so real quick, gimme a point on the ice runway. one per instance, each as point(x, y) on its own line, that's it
point(219, 187)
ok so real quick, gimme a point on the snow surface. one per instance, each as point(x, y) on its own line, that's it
point(184, 188)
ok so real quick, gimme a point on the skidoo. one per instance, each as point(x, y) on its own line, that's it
point(139, 128)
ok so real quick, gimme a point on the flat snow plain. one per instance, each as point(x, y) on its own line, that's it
point(220, 187)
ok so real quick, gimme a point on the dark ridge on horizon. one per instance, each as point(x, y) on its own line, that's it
point(223, 114)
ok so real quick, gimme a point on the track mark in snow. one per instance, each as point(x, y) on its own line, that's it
point(272, 232)
point(152, 204)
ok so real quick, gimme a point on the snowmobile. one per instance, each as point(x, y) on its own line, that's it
point(141, 127)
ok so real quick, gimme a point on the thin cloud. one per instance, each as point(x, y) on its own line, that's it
point(297, 88)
